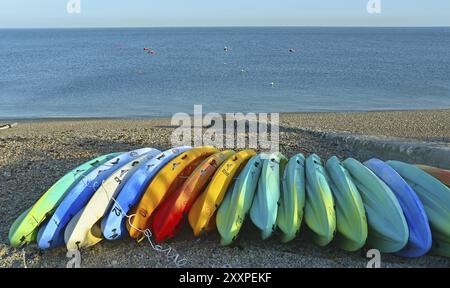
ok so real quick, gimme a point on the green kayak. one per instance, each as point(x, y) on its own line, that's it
point(292, 198)
point(388, 230)
point(351, 219)
point(24, 229)
point(238, 200)
point(320, 215)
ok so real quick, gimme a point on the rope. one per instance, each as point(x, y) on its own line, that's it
point(24, 259)
point(169, 252)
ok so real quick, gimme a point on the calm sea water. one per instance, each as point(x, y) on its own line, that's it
point(106, 72)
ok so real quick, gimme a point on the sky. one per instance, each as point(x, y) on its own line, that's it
point(157, 13)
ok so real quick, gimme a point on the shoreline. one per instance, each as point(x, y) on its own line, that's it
point(33, 155)
point(89, 118)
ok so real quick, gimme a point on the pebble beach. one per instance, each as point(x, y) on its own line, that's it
point(34, 154)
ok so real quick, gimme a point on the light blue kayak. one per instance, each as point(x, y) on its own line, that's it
point(114, 222)
point(388, 230)
point(420, 241)
point(292, 198)
point(51, 235)
point(265, 205)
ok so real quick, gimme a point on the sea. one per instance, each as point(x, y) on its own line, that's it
point(156, 72)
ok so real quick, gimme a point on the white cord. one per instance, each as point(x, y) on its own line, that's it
point(24, 259)
point(170, 253)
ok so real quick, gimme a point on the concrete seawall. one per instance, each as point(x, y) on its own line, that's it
point(410, 151)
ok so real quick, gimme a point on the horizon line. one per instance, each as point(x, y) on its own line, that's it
point(225, 26)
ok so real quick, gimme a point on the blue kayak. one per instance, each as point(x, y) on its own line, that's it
point(51, 234)
point(113, 224)
point(420, 240)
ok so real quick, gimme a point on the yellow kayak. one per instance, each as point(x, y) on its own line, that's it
point(205, 206)
point(171, 177)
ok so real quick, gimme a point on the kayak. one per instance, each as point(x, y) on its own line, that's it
point(264, 209)
point(15, 227)
point(205, 206)
point(292, 198)
point(420, 241)
point(114, 221)
point(25, 229)
point(84, 229)
point(435, 198)
point(440, 174)
point(388, 230)
point(320, 215)
point(167, 181)
point(351, 222)
point(237, 202)
point(51, 234)
point(168, 216)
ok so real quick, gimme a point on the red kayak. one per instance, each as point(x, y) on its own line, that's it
point(168, 216)
point(440, 174)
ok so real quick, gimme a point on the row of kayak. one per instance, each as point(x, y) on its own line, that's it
point(391, 206)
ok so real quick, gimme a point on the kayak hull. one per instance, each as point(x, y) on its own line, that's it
point(264, 210)
point(292, 198)
point(388, 230)
point(201, 216)
point(115, 220)
point(51, 235)
point(85, 230)
point(435, 198)
point(320, 215)
point(25, 229)
point(167, 181)
point(238, 201)
point(440, 174)
point(420, 240)
point(351, 222)
point(169, 215)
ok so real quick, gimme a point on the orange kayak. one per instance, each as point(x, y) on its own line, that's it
point(168, 216)
point(440, 174)
point(168, 180)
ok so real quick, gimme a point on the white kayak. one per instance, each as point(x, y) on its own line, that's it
point(84, 229)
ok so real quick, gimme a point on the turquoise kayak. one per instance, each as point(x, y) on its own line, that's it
point(435, 198)
point(351, 219)
point(388, 229)
point(292, 198)
point(238, 200)
point(265, 205)
point(320, 215)
point(24, 229)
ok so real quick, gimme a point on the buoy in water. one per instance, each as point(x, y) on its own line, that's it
point(149, 51)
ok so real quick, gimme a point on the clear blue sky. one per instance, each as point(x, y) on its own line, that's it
point(148, 13)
